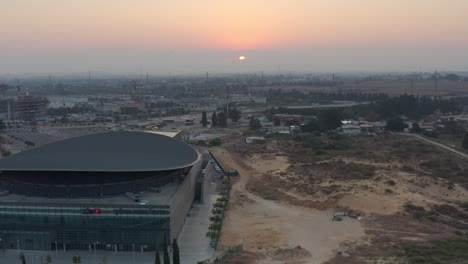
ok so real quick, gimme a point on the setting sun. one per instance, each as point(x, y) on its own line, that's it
point(241, 58)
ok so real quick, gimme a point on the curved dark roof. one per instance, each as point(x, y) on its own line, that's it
point(111, 151)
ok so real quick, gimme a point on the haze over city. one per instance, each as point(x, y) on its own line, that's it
point(234, 132)
point(177, 37)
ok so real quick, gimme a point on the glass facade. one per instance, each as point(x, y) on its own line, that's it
point(70, 226)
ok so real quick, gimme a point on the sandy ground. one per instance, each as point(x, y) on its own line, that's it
point(381, 198)
point(271, 227)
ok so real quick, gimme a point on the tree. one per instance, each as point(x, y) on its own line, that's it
point(76, 259)
point(396, 124)
point(175, 252)
point(222, 119)
point(452, 127)
point(292, 122)
point(452, 77)
point(22, 258)
point(157, 259)
point(416, 128)
point(276, 121)
point(49, 259)
point(311, 126)
point(166, 259)
point(255, 123)
point(204, 120)
point(234, 114)
point(465, 141)
point(165, 241)
point(214, 119)
point(215, 142)
point(331, 119)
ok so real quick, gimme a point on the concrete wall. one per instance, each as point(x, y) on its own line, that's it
point(183, 199)
point(207, 175)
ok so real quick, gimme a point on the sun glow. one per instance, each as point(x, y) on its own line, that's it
point(242, 58)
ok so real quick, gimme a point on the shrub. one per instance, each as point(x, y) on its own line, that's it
point(215, 142)
point(391, 182)
point(320, 152)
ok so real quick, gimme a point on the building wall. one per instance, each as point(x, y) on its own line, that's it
point(208, 172)
point(182, 201)
point(43, 227)
point(46, 226)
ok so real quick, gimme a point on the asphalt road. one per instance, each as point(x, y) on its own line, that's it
point(457, 152)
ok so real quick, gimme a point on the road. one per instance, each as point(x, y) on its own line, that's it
point(457, 152)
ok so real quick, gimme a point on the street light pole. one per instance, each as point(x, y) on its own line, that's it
point(18, 244)
point(56, 248)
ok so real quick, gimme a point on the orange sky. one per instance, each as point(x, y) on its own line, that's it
point(241, 25)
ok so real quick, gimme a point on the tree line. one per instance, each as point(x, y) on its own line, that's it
point(219, 119)
point(411, 106)
point(319, 96)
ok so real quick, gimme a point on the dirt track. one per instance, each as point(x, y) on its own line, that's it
point(266, 226)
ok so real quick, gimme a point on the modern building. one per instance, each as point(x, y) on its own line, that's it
point(114, 190)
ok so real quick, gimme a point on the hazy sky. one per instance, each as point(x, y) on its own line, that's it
point(194, 36)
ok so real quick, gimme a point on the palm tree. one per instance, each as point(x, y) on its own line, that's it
point(157, 259)
point(166, 257)
point(175, 252)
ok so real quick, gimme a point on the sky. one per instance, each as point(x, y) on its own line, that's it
point(195, 36)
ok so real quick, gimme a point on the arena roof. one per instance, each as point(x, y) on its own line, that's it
point(110, 151)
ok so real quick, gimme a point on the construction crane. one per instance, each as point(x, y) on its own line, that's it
point(5, 87)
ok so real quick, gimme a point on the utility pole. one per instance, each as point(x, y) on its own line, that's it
point(227, 104)
point(89, 79)
point(412, 86)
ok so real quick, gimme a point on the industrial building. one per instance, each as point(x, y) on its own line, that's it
point(114, 190)
point(28, 108)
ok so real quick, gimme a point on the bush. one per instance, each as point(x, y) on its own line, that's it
point(5, 153)
point(29, 143)
point(215, 142)
point(431, 134)
point(391, 182)
point(465, 206)
point(320, 152)
point(442, 251)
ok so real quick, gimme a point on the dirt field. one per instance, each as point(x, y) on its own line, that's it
point(289, 190)
point(267, 226)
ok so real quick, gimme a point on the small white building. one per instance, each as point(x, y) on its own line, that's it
point(350, 130)
point(429, 127)
point(250, 140)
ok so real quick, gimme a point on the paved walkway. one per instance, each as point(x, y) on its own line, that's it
point(193, 243)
